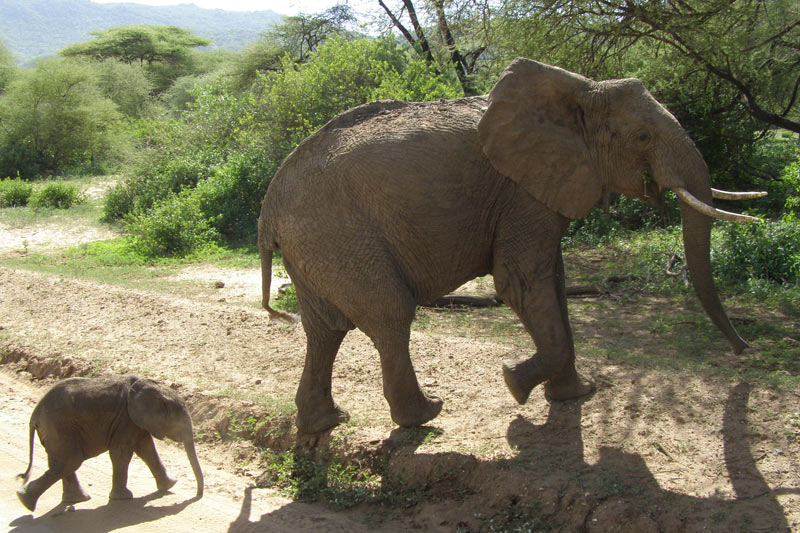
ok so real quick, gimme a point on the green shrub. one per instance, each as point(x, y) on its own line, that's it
point(287, 300)
point(174, 227)
point(15, 192)
point(19, 159)
point(118, 202)
point(57, 194)
point(791, 182)
point(765, 250)
point(231, 196)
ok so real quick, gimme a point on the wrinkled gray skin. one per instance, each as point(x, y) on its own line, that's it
point(392, 204)
point(79, 418)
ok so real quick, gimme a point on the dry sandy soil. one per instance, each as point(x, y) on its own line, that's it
point(656, 448)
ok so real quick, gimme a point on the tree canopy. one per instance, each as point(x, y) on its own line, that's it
point(752, 47)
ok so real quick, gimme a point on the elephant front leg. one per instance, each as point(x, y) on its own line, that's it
point(146, 450)
point(540, 302)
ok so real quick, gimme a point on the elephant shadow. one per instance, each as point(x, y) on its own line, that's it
point(114, 515)
point(617, 488)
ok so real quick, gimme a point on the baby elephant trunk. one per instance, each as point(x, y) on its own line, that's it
point(191, 453)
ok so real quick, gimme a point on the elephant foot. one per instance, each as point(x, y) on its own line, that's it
point(521, 376)
point(76, 497)
point(574, 386)
point(120, 494)
point(27, 499)
point(318, 422)
point(424, 410)
point(165, 484)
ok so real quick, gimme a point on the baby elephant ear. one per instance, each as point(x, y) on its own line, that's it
point(534, 132)
point(150, 408)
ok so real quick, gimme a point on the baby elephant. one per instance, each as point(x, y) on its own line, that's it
point(79, 418)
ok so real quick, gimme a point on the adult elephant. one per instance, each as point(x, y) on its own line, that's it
point(394, 204)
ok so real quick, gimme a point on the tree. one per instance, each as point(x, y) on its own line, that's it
point(296, 37)
point(461, 31)
point(163, 50)
point(127, 85)
point(54, 117)
point(7, 67)
point(751, 46)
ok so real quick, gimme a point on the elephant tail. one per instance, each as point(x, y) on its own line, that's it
point(27, 474)
point(266, 282)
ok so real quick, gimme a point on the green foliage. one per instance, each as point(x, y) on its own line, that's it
point(162, 50)
point(767, 251)
point(7, 67)
point(338, 485)
point(128, 86)
point(230, 198)
point(624, 216)
point(296, 101)
point(57, 195)
point(15, 192)
point(174, 227)
point(791, 181)
point(54, 118)
point(287, 300)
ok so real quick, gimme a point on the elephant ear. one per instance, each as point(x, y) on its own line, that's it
point(150, 408)
point(534, 132)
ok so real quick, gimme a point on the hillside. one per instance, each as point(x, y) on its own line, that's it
point(36, 28)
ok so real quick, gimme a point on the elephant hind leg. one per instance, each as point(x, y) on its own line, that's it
point(316, 410)
point(56, 469)
point(390, 331)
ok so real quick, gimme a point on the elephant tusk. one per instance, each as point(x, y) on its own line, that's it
point(706, 209)
point(719, 194)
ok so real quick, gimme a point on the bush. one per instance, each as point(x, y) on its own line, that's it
point(15, 192)
point(57, 194)
point(766, 250)
point(231, 197)
point(144, 190)
point(791, 181)
point(174, 227)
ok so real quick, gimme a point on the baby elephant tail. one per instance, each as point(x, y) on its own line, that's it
point(27, 474)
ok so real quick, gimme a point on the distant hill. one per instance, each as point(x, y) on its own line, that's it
point(35, 28)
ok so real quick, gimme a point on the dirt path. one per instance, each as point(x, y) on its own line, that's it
point(655, 449)
point(230, 502)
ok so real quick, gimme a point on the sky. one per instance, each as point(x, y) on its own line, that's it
point(284, 7)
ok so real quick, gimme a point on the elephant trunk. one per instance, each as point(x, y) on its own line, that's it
point(191, 453)
point(697, 245)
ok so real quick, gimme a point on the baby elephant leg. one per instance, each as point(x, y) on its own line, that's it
point(72, 490)
point(146, 450)
point(120, 459)
point(56, 469)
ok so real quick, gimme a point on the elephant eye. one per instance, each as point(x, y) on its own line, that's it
point(643, 137)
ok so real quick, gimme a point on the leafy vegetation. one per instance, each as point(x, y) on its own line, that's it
point(198, 134)
point(15, 192)
point(56, 194)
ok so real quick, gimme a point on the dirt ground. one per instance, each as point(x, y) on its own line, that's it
point(654, 449)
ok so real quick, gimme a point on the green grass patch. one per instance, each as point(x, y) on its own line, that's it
point(338, 485)
point(115, 261)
